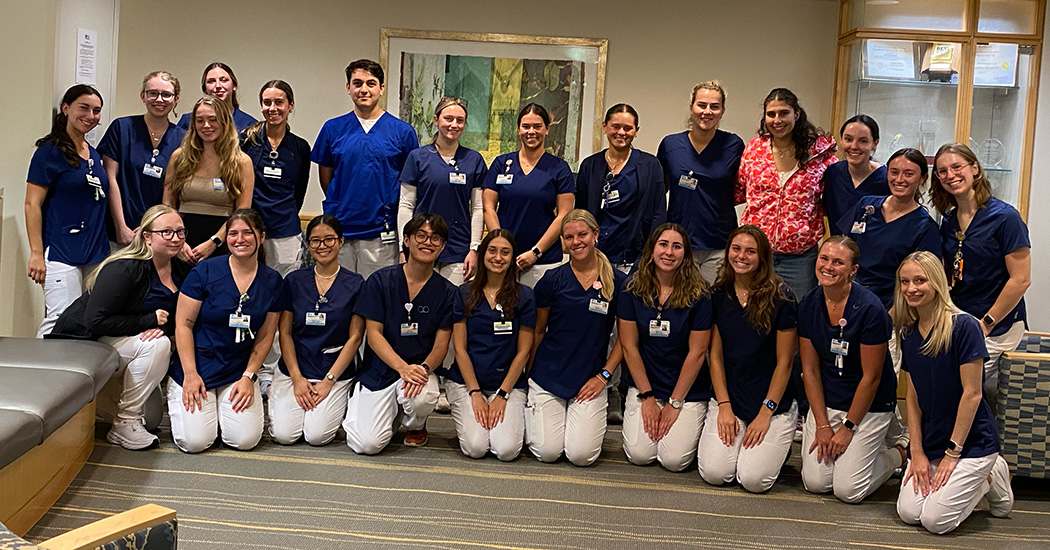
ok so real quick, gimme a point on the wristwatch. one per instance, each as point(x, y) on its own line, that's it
point(770, 404)
point(988, 320)
point(676, 403)
point(475, 247)
point(216, 240)
point(251, 376)
point(849, 425)
point(606, 375)
point(953, 446)
point(330, 377)
point(501, 393)
point(642, 396)
point(426, 367)
point(536, 250)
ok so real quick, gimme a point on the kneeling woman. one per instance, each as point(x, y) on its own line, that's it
point(408, 321)
point(576, 306)
point(319, 336)
point(495, 321)
point(665, 329)
point(843, 331)
point(955, 459)
point(127, 305)
point(749, 428)
point(224, 326)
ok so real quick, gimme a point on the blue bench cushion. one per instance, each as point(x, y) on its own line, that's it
point(92, 359)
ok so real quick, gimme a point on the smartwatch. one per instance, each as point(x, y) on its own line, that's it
point(770, 404)
point(250, 376)
point(849, 425)
point(988, 320)
point(536, 250)
point(676, 403)
point(216, 240)
point(605, 375)
point(953, 446)
point(501, 393)
point(425, 366)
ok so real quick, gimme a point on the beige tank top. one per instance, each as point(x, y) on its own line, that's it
point(207, 196)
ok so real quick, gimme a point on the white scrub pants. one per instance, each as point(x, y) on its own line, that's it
point(943, 510)
point(676, 450)
point(195, 431)
point(289, 421)
point(757, 468)
point(372, 416)
point(143, 365)
point(504, 440)
point(709, 261)
point(996, 345)
point(367, 256)
point(454, 273)
point(284, 255)
point(63, 284)
point(554, 425)
point(532, 275)
point(865, 465)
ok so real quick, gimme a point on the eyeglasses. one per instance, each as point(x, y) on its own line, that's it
point(171, 234)
point(954, 169)
point(163, 96)
point(328, 242)
point(422, 237)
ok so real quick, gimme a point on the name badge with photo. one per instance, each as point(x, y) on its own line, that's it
point(271, 172)
point(839, 347)
point(504, 179)
point(315, 319)
point(859, 227)
point(409, 329)
point(458, 179)
point(502, 327)
point(240, 321)
point(599, 306)
point(388, 237)
point(152, 170)
point(216, 184)
point(659, 328)
point(687, 182)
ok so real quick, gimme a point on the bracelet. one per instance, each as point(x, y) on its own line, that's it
point(828, 426)
point(642, 396)
point(473, 391)
point(723, 402)
point(953, 454)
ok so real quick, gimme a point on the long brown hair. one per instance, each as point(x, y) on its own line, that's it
point(192, 148)
point(688, 285)
point(766, 286)
point(252, 133)
point(58, 134)
point(944, 201)
point(507, 296)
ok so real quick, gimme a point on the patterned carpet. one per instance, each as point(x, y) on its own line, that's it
point(434, 497)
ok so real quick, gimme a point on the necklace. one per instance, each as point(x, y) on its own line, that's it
point(742, 299)
point(615, 168)
point(319, 276)
point(784, 152)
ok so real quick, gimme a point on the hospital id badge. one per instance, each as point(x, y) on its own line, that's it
point(315, 319)
point(457, 179)
point(687, 182)
point(216, 184)
point(409, 329)
point(271, 172)
point(240, 321)
point(613, 197)
point(839, 347)
point(599, 306)
point(502, 327)
point(859, 227)
point(504, 179)
point(152, 171)
point(388, 237)
point(659, 328)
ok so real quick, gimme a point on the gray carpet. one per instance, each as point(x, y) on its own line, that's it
point(434, 497)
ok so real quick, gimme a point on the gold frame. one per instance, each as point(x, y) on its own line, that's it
point(601, 44)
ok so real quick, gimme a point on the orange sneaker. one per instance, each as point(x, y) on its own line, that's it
point(417, 438)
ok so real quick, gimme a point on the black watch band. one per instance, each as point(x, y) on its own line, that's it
point(849, 425)
point(502, 393)
point(642, 396)
point(473, 391)
point(425, 366)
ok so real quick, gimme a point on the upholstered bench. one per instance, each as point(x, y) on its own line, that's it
point(47, 418)
point(1023, 406)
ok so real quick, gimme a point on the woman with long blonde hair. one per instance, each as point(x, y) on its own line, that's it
point(955, 459)
point(576, 305)
point(665, 327)
point(208, 177)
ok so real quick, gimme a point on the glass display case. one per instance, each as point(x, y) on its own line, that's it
point(937, 71)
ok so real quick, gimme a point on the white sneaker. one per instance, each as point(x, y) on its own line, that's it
point(131, 435)
point(1000, 495)
point(442, 404)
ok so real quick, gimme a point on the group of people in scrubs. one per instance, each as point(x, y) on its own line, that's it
point(530, 296)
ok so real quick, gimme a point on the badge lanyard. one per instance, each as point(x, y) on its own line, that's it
point(957, 262)
point(840, 358)
point(94, 181)
point(862, 225)
point(242, 333)
point(605, 189)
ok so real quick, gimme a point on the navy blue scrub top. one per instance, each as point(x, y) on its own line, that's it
point(383, 300)
point(528, 204)
point(278, 196)
point(74, 211)
point(995, 231)
point(708, 212)
point(317, 347)
point(663, 357)
point(159, 296)
point(840, 195)
point(884, 245)
point(491, 354)
point(750, 355)
point(867, 323)
point(128, 142)
point(938, 388)
point(364, 190)
point(435, 193)
point(241, 120)
point(576, 342)
point(220, 359)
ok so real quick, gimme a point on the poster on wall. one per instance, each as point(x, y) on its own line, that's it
point(995, 65)
point(496, 75)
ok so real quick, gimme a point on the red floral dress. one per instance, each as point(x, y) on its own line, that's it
point(791, 215)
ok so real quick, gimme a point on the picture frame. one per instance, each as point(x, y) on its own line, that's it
point(501, 73)
point(890, 60)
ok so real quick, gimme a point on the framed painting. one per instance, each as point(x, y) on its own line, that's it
point(497, 75)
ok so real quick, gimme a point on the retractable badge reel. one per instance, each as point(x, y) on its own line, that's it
point(503, 326)
point(506, 177)
point(94, 182)
point(317, 318)
point(241, 323)
point(410, 328)
point(272, 171)
point(388, 235)
point(150, 168)
point(688, 181)
point(598, 305)
point(840, 347)
point(862, 225)
point(659, 327)
point(456, 177)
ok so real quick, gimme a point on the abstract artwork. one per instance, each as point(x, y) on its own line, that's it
point(497, 75)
